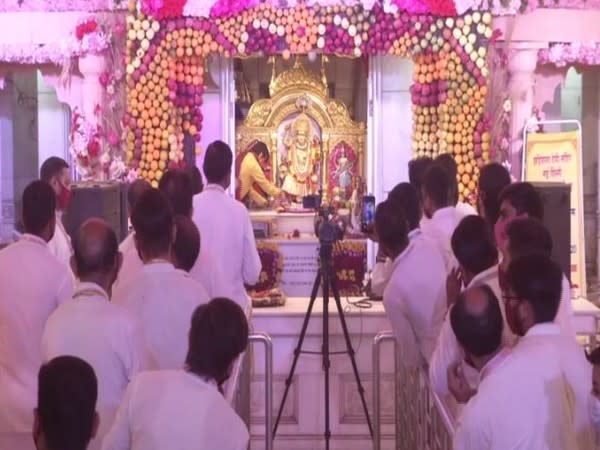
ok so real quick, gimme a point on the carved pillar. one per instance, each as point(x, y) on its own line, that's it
point(91, 67)
point(521, 64)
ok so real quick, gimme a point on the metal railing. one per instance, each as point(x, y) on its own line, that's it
point(383, 336)
point(265, 339)
point(421, 418)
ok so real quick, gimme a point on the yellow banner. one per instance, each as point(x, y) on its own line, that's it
point(555, 157)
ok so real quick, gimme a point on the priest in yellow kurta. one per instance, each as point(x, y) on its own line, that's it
point(254, 187)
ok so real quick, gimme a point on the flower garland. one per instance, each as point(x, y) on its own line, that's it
point(576, 53)
point(165, 69)
point(206, 8)
point(499, 106)
point(62, 5)
point(272, 267)
point(96, 144)
point(85, 147)
point(350, 262)
point(87, 38)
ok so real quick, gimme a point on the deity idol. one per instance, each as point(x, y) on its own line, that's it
point(302, 157)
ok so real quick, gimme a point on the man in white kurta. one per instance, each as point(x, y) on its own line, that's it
point(55, 171)
point(522, 403)
point(475, 251)
point(414, 298)
point(178, 190)
point(33, 283)
point(444, 217)
point(526, 236)
point(161, 297)
point(177, 186)
point(532, 300)
point(184, 409)
point(407, 198)
point(92, 328)
point(225, 227)
point(447, 161)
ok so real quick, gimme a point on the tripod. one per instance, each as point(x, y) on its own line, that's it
point(327, 277)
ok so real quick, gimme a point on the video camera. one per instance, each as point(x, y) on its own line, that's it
point(327, 228)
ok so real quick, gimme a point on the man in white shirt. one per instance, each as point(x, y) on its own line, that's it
point(407, 198)
point(33, 283)
point(55, 172)
point(414, 298)
point(447, 161)
point(517, 200)
point(161, 297)
point(532, 300)
point(477, 256)
point(184, 409)
point(179, 189)
point(520, 404)
point(444, 217)
point(65, 417)
point(225, 227)
point(91, 327)
point(525, 236)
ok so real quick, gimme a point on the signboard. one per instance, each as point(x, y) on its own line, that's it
point(556, 157)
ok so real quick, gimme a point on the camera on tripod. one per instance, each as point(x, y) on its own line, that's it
point(329, 228)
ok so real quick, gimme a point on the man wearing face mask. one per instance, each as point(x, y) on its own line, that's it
point(55, 172)
point(518, 405)
point(531, 302)
point(33, 284)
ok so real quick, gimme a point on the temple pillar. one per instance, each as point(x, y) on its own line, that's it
point(522, 62)
point(91, 67)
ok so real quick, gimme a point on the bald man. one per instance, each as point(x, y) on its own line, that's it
point(186, 247)
point(91, 327)
point(516, 405)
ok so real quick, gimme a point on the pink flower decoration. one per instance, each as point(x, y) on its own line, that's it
point(119, 28)
point(94, 148)
point(230, 7)
point(412, 6)
point(112, 138)
point(104, 79)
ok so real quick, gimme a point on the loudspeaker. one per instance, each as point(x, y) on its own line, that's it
point(106, 200)
point(556, 198)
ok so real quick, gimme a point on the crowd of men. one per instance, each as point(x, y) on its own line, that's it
point(128, 346)
point(137, 340)
point(478, 301)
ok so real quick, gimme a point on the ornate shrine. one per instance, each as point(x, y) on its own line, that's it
point(300, 109)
